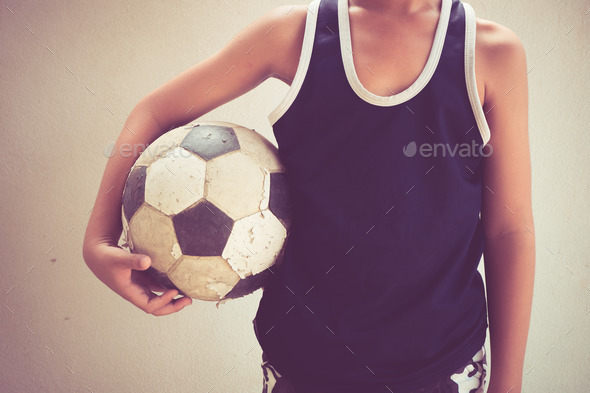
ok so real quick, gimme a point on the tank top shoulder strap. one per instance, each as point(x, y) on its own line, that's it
point(304, 61)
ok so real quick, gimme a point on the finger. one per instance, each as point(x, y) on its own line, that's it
point(157, 305)
point(174, 306)
point(157, 302)
point(149, 281)
point(155, 287)
point(128, 260)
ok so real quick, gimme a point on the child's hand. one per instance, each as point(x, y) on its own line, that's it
point(123, 272)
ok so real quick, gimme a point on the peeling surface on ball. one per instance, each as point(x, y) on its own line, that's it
point(161, 146)
point(265, 192)
point(210, 141)
point(161, 244)
point(205, 278)
point(235, 184)
point(134, 192)
point(175, 181)
point(254, 243)
point(202, 230)
point(249, 284)
point(257, 147)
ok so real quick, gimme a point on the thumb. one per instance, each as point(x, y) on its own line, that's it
point(128, 260)
point(139, 261)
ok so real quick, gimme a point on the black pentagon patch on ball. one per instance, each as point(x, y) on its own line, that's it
point(209, 141)
point(134, 192)
point(202, 230)
point(279, 202)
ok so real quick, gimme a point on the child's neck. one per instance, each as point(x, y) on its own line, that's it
point(398, 7)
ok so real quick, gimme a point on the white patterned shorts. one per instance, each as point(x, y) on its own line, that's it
point(470, 378)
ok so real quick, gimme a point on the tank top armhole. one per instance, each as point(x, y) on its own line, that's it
point(303, 65)
point(470, 30)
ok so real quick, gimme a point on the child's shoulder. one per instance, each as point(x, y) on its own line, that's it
point(284, 26)
point(499, 55)
point(496, 39)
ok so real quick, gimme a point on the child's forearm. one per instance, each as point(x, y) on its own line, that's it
point(140, 129)
point(509, 269)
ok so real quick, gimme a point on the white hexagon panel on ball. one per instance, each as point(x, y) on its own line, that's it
point(205, 278)
point(254, 243)
point(236, 184)
point(152, 233)
point(175, 181)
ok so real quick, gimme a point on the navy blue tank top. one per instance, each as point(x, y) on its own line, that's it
point(378, 289)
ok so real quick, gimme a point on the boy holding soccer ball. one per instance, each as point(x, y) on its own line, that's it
point(405, 136)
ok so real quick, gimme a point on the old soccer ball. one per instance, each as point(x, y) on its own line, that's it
point(209, 204)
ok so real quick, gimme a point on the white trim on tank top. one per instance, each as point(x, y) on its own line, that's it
point(308, 40)
point(304, 58)
point(417, 85)
point(480, 118)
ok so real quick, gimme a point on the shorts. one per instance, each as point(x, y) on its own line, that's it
point(470, 378)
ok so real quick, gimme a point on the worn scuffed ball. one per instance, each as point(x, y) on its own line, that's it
point(209, 204)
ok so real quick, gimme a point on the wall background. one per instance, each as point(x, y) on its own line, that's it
point(70, 73)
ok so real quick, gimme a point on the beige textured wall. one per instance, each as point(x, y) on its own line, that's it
point(70, 72)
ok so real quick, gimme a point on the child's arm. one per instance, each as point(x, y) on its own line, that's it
point(256, 53)
point(509, 255)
